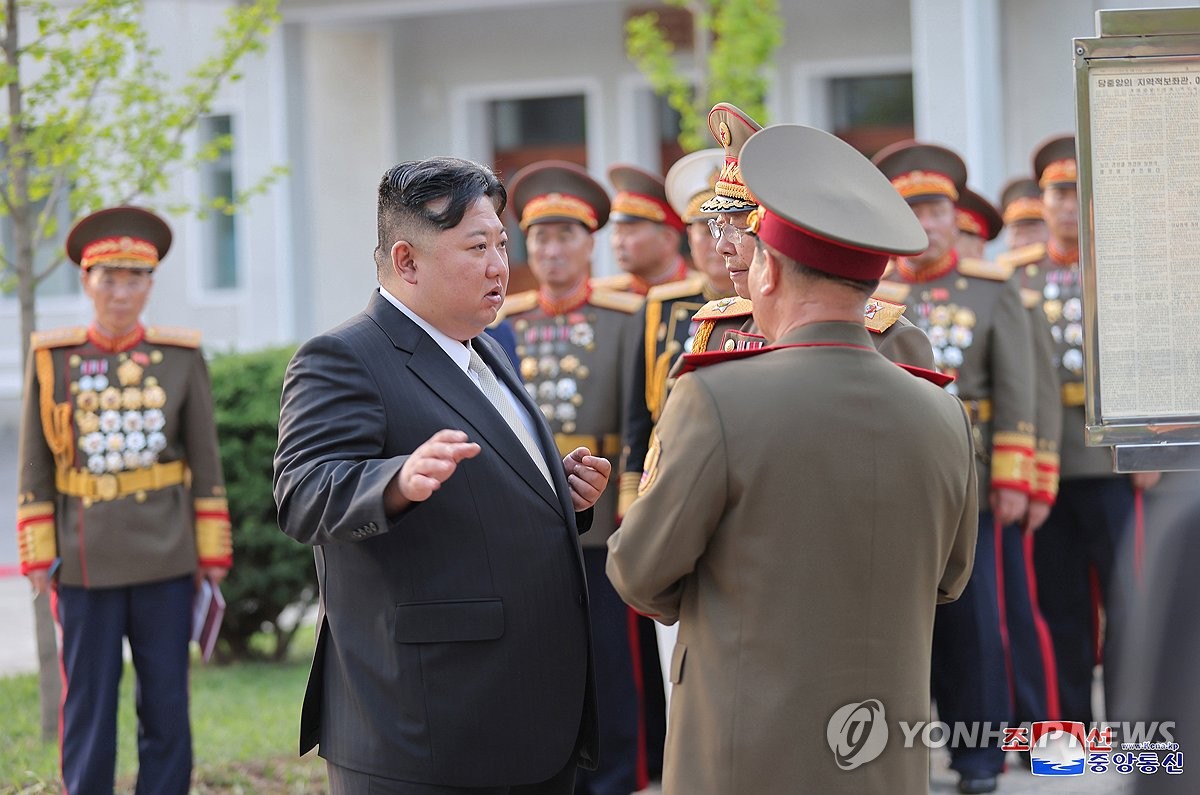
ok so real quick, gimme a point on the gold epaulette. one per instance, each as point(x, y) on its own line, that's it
point(693, 285)
point(615, 299)
point(622, 282)
point(517, 304)
point(58, 337)
point(1025, 255)
point(895, 292)
point(880, 315)
point(983, 269)
point(170, 335)
point(1030, 297)
point(725, 307)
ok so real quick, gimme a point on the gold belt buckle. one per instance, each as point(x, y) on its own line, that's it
point(107, 487)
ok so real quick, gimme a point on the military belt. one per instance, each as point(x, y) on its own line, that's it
point(113, 485)
point(978, 410)
point(608, 445)
point(1073, 393)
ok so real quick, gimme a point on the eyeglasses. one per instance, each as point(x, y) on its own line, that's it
point(734, 233)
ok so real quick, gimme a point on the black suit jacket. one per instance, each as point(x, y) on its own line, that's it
point(453, 644)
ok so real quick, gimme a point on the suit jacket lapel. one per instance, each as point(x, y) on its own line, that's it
point(443, 377)
point(493, 355)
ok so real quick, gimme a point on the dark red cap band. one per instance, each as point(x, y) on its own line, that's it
point(818, 253)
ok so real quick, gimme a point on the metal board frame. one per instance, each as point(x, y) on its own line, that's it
point(1129, 42)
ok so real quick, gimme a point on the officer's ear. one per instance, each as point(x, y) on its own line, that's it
point(769, 267)
point(403, 260)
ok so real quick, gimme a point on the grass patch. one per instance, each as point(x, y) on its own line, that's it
point(245, 726)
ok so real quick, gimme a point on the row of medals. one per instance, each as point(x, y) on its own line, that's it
point(1064, 312)
point(951, 330)
point(120, 428)
point(551, 371)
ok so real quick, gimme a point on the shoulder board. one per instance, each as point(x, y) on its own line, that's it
point(982, 269)
point(694, 361)
point(881, 315)
point(615, 299)
point(725, 307)
point(170, 335)
point(1025, 255)
point(621, 282)
point(517, 303)
point(58, 337)
point(895, 292)
point(1030, 297)
point(693, 285)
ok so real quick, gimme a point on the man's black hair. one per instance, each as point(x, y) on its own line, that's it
point(419, 197)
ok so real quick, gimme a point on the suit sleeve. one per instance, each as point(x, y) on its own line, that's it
point(669, 527)
point(330, 472)
point(962, 550)
point(214, 541)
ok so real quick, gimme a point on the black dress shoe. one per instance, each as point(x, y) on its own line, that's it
point(975, 784)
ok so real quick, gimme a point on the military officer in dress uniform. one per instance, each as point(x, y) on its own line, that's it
point(121, 507)
point(1074, 550)
point(1031, 649)
point(978, 222)
point(1021, 209)
point(798, 506)
point(646, 232)
point(576, 344)
point(980, 334)
point(726, 324)
point(667, 327)
point(668, 331)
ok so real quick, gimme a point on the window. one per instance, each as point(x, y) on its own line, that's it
point(219, 235)
point(871, 111)
point(525, 131)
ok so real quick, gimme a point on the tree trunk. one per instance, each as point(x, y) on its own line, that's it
point(23, 220)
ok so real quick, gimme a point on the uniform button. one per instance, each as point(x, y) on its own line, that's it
point(372, 526)
point(730, 345)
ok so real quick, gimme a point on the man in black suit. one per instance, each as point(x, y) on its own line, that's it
point(453, 651)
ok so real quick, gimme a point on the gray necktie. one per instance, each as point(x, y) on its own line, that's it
point(498, 397)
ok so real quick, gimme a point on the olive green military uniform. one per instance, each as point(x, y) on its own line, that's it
point(727, 325)
point(576, 365)
point(759, 503)
point(979, 330)
point(120, 475)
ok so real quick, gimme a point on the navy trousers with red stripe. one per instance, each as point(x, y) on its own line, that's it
point(969, 675)
point(156, 618)
point(1031, 650)
point(616, 687)
point(1073, 555)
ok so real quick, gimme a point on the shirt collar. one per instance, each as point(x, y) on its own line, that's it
point(458, 352)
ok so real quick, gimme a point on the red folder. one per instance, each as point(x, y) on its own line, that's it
point(207, 612)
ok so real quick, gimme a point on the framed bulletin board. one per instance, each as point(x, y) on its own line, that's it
point(1137, 93)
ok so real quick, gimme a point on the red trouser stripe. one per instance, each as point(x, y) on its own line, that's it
point(1097, 607)
point(998, 534)
point(1045, 643)
point(635, 658)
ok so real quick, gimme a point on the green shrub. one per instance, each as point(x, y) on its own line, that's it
point(271, 572)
